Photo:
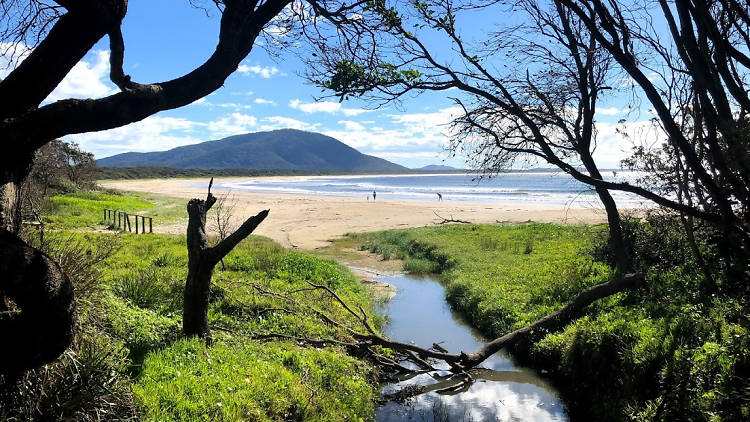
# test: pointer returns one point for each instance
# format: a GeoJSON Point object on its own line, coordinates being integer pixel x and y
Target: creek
{"type": "Point", "coordinates": [501, 391]}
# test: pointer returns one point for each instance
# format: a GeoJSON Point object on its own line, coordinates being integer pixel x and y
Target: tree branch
{"type": "Point", "coordinates": [225, 246]}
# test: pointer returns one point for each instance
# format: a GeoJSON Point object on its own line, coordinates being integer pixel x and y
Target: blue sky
{"type": "Point", "coordinates": [167, 38]}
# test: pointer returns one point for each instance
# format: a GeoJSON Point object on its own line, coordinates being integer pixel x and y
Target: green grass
{"type": "Point", "coordinates": [501, 277]}
{"type": "Point", "coordinates": [241, 380]}
{"type": "Point", "coordinates": [669, 351]}
{"type": "Point", "coordinates": [84, 210]}
{"type": "Point", "coordinates": [129, 331]}
{"type": "Point", "coordinates": [185, 380]}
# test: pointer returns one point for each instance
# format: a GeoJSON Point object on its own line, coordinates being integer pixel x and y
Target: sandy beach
{"type": "Point", "coordinates": [311, 221]}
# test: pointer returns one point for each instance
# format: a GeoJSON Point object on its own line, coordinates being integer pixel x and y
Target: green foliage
{"type": "Point", "coordinates": [675, 350]}
{"type": "Point", "coordinates": [501, 277]}
{"type": "Point", "coordinates": [143, 288]}
{"type": "Point", "coordinates": [351, 78]}
{"type": "Point", "coordinates": [87, 383]}
{"type": "Point", "coordinates": [140, 330]}
{"type": "Point", "coordinates": [298, 268]}
{"type": "Point", "coordinates": [130, 322]}
{"type": "Point", "coordinates": [190, 381]}
{"type": "Point", "coordinates": [84, 209]}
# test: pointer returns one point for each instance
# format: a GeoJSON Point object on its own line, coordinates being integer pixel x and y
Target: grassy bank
{"type": "Point", "coordinates": [83, 210]}
{"type": "Point", "coordinates": [129, 360]}
{"type": "Point", "coordinates": [669, 351]}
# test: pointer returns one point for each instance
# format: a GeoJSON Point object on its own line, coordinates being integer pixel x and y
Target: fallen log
{"type": "Point", "coordinates": [462, 362]}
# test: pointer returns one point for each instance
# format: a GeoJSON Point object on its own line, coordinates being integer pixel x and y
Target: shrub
{"type": "Point", "coordinates": [140, 330]}
{"type": "Point", "coordinates": [87, 383]}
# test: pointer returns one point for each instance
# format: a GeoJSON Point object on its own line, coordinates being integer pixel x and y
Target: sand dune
{"type": "Point", "coordinates": [310, 221]}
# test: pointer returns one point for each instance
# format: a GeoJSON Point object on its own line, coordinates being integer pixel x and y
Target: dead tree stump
{"type": "Point", "coordinates": [202, 259]}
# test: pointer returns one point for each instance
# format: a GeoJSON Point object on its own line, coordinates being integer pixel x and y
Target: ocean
{"type": "Point", "coordinates": [543, 188]}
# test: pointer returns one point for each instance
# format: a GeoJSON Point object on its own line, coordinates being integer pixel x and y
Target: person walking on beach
{"type": "Point", "coordinates": [440, 197]}
{"type": "Point", "coordinates": [373, 195]}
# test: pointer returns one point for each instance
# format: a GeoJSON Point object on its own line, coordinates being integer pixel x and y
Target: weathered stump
{"type": "Point", "coordinates": [202, 259]}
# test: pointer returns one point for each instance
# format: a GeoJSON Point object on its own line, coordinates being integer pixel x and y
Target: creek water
{"type": "Point", "coordinates": [502, 391]}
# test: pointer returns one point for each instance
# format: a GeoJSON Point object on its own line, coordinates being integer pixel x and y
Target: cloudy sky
{"type": "Point", "coordinates": [167, 38]}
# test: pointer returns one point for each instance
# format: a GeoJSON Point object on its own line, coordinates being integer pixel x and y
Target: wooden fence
{"type": "Point", "coordinates": [121, 221]}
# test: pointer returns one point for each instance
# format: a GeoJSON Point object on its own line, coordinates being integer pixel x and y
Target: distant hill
{"type": "Point", "coordinates": [436, 167]}
{"type": "Point", "coordinates": [285, 149]}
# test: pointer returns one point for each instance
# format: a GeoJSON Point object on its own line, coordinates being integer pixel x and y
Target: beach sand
{"type": "Point", "coordinates": [311, 221]}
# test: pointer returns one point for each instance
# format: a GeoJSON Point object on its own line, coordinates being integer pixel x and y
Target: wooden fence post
{"type": "Point", "coordinates": [136, 224]}
{"type": "Point", "coordinates": [150, 225]}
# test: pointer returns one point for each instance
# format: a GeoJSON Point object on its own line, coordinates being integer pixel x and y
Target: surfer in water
{"type": "Point", "coordinates": [440, 197]}
{"type": "Point", "coordinates": [373, 195]}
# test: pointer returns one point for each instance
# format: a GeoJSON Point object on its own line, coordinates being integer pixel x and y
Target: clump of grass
{"type": "Point", "coordinates": [139, 330]}
{"type": "Point", "coordinates": [420, 266]}
{"type": "Point", "coordinates": [87, 383]}
{"type": "Point", "coordinates": [143, 288]}
{"type": "Point", "coordinates": [162, 260]}
{"type": "Point", "coordinates": [488, 243]}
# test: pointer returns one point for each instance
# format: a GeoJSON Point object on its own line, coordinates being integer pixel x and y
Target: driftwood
{"type": "Point", "coordinates": [202, 259]}
{"type": "Point", "coordinates": [444, 220]}
{"type": "Point", "coordinates": [461, 363]}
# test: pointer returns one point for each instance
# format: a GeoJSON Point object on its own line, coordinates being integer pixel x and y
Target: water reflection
{"type": "Point", "coordinates": [500, 391]}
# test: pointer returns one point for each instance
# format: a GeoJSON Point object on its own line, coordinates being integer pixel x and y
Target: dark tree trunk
{"type": "Point", "coordinates": [623, 257]}
{"type": "Point", "coordinates": [201, 262]}
{"type": "Point", "coordinates": [620, 251]}
{"type": "Point", "coordinates": [37, 311]}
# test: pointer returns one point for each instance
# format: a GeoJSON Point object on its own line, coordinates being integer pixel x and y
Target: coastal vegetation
{"type": "Point", "coordinates": [129, 360]}
{"type": "Point", "coordinates": [91, 317]}
{"type": "Point", "coordinates": [673, 349]}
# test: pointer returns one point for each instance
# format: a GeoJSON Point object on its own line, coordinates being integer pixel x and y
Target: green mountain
{"type": "Point", "coordinates": [285, 149]}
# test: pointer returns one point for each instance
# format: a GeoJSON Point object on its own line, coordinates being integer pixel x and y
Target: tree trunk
{"type": "Point", "coordinates": [623, 257]}
{"type": "Point", "coordinates": [616, 241]}
{"type": "Point", "coordinates": [201, 262]}
{"type": "Point", "coordinates": [37, 313]}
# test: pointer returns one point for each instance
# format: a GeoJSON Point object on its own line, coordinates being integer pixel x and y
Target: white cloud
{"type": "Point", "coordinates": [616, 141]}
{"type": "Point", "coordinates": [264, 101]}
{"type": "Point", "coordinates": [406, 133]}
{"type": "Point", "coordinates": [262, 71]}
{"type": "Point", "coordinates": [205, 103]}
{"type": "Point", "coordinates": [609, 111]}
{"type": "Point", "coordinates": [11, 54]}
{"type": "Point", "coordinates": [87, 79]}
{"type": "Point", "coordinates": [281, 122]}
{"type": "Point", "coordinates": [233, 124]}
{"type": "Point", "coordinates": [350, 125]}
{"type": "Point", "coordinates": [154, 133]}
{"type": "Point", "coordinates": [331, 107]}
